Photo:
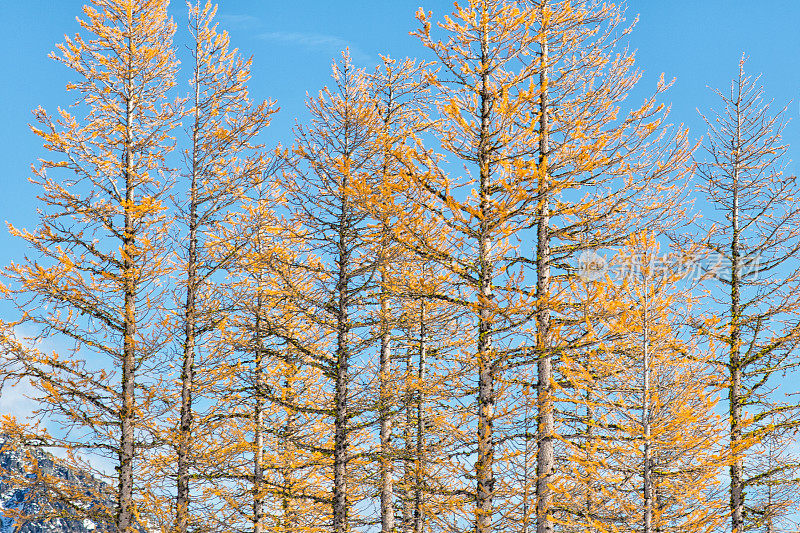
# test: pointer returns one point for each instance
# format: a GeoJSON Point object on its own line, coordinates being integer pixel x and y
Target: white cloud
{"type": "Point", "coordinates": [319, 42]}
{"type": "Point", "coordinates": [306, 40]}
{"type": "Point", "coordinates": [238, 21]}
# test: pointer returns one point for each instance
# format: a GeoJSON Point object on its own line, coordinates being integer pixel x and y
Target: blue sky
{"type": "Point", "coordinates": [293, 43]}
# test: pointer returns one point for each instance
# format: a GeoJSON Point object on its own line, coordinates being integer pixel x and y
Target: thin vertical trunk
{"type": "Point", "coordinates": [419, 478]}
{"type": "Point", "coordinates": [646, 371]}
{"type": "Point", "coordinates": [769, 512]}
{"type": "Point", "coordinates": [190, 326]}
{"type": "Point", "coordinates": [289, 514]}
{"type": "Point", "coordinates": [258, 416]}
{"type": "Point", "coordinates": [408, 462]}
{"type": "Point", "coordinates": [484, 467]}
{"type": "Point", "coordinates": [735, 367]}
{"type": "Point", "coordinates": [385, 408]}
{"type": "Point", "coordinates": [385, 403]}
{"type": "Point", "coordinates": [545, 460]}
{"type": "Point", "coordinates": [127, 414]}
{"type": "Point", "coordinates": [341, 441]}
{"type": "Point", "coordinates": [658, 503]}
{"type": "Point", "coordinates": [340, 422]}
{"type": "Point", "coordinates": [526, 477]}
{"type": "Point", "coordinates": [589, 500]}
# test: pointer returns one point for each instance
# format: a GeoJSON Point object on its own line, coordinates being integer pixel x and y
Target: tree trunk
{"type": "Point", "coordinates": [125, 513]}
{"type": "Point", "coordinates": [385, 408]}
{"type": "Point", "coordinates": [735, 368]}
{"type": "Point", "coordinates": [341, 441]}
{"type": "Point", "coordinates": [658, 503]}
{"type": "Point", "coordinates": [545, 460]}
{"type": "Point", "coordinates": [419, 477]}
{"type": "Point", "coordinates": [589, 502]}
{"type": "Point", "coordinates": [484, 467]}
{"type": "Point", "coordinates": [646, 371]}
{"type": "Point", "coordinates": [526, 476]}
{"type": "Point", "coordinates": [340, 429]}
{"type": "Point", "coordinates": [408, 469]}
{"type": "Point", "coordinates": [190, 326]}
{"type": "Point", "coordinates": [289, 515]}
{"type": "Point", "coordinates": [258, 416]}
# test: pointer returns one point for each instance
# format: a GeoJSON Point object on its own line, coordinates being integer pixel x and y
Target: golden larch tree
{"type": "Point", "coordinates": [755, 285]}
{"type": "Point", "coordinates": [398, 92]}
{"type": "Point", "coordinates": [652, 459]}
{"type": "Point", "coordinates": [94, 277]}
{"type": "Point", "coordinates": [330, 278]}
{"type": "Point", "coordinates": [529, 98]}
{"type": "Point", "coordinates": [222, 162]}
{"type": "Point", "coordinates": [272, 463]}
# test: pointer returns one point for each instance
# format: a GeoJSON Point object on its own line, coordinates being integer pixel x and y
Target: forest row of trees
{"type": "Point", "coordinates": [402, 322]}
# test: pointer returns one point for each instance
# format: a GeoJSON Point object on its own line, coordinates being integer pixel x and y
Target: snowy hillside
{"type": "Point", "coordinates": [33, 501]}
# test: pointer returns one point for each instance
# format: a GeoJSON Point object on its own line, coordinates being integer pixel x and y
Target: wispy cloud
{"type": "Point", "coordinates": [322, 43]}
{"type": "Point", "coordinates": [306, 40]}
{"type": "Point", "coordinates": [317, 42]}
{"type": "Point", "coordinates": [239, 21]}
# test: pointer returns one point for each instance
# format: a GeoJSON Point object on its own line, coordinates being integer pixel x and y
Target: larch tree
{"type": "Point", "coordinates": [410, 322]}
{"type": "Point", "coordinates": [481, 87]}
{"type": "Point", "coordinates": [529, 101]}
{"type": "Point", "coordinates": [601, 172]}
{"type": "Point", "coordinates": [433, 489]}
{"type": "Point", "coordinates": [256, 233]}
{"type": "Point", "coordinates": [330, 279]}
{"type": "Point", "coordinates": [93, 279]}
{"type": "Point", "coordinates": [274, 468]}
{"type": "Point", "coordinates": [422, 330]}
{"type": "Point", "coordinates": [755, 295]}
{"type": "Point", "coordinates": [221, 163]}
{"type": "Point", "coordinates": [399, 92]}
{"type": "Point", "coordinates": [657, 453]}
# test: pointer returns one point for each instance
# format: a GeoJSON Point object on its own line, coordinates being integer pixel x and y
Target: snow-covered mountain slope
{"type": "Point", "coordinates": [34, 497]}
